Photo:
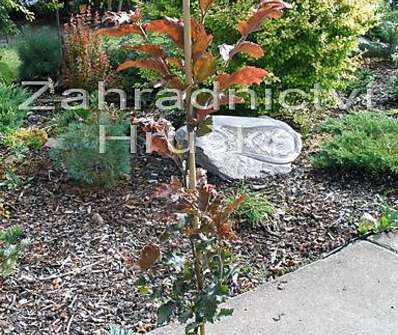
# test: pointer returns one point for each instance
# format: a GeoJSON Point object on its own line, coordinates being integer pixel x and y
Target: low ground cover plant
{"type": "Point", "coordinates": [365, 141]}
{"type": "Point", "coordinates": [31, 138]}
{"type": "Point", "coordinates": [387, 222]}
{"type": "Point", "coordinates": [39, 53]}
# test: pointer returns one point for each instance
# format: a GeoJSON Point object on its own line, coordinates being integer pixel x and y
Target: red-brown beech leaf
{"type": "Point", "coordinates": [120, 31]}
{"type": "Point", "coordinates": [172, 27]}
{"type": "Point", "coordinates": [230, 99]}
{"type": "Point", "coordinates": [252, 49]}
{"type": "Point", "coordinates": [149, 256]}
{"type": "Point", "coordinates": [151, 49]}
{"type": "Point", "coordinates": [204, 4]}
{"type": "Point", "coordinates": [245, 76]}
{"type": "Point", "coordinates": [267, 9]}
{"type": "Point", "coordinates": [150, 64]}
{"type": "Point", "coordinates": [204, 67]}
{"type": "Point", "coordinates": [226, 232]}
{"type": "Point", "coordinates": [200, 39]}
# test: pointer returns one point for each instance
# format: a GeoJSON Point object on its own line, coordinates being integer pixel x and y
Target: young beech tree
{"type": "Point", "coordinates": [200, 282]}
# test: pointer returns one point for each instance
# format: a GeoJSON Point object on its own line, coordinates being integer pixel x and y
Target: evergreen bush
{"type": "Point", "coordinates": [39, 52]}
{"type": "Point", "coordinates": [364, 141]}
{"type": "Point", "coordinates": [11, 117]}
{"type": "Point", "coordinates": [78, 152]}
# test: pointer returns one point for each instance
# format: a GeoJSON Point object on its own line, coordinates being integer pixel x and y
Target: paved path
{"type": "Point", "coordinates": [353, 292]}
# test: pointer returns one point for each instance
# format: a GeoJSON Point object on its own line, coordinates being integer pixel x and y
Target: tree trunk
{"type": "Point", "coordinates": [191, 139]}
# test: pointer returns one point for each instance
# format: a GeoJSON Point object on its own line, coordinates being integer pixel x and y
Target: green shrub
{"type": "Point", "coordinates": [32, 138]}
{"type": "Point", "coordinates": [78, 152]}
{"type": "Point", "coordinates": [64, 118]}
{"type": "Point", "coordinates": [255, 209]}
{"type": "Point", "coordinates": [361, 80]}
{"type": "Point", "coordinates": [9, 65]}
{"type": "Point", "coordinates": [11, 117]}
{"type": "Point", "coordinates": [10, 247]}
{"type": "Point", "coordinates": [312, 43]}
{"type": "Point", "coordinates": [39, 51]}
{"type": "Point", "coordinates": [384, 37]}
{"type": "Point", "coordinates": [364, 141]}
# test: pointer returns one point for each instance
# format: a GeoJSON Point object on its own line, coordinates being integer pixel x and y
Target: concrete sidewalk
{"type": "Point", "coordinates": [352, 292]}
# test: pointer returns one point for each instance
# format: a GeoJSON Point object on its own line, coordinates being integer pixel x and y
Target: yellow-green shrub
{"type": "Point", "coordinates": [32, 138]}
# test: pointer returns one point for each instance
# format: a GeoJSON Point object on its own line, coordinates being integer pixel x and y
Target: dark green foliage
{"type": "Point", "coordinates": [10, 247]}
{"type": "Point", "coordinates": [361, 80]}
{"type": "Point", "coordinates": [11, 117]}
{"type": "Point", "coordinates": [39, 51]}
{"type": "Point", "coordinates": [364, 141]}
{"type": "Point", "coordinates": [385, 36]}
{"type": "Point", "coordinates": [78, 152]}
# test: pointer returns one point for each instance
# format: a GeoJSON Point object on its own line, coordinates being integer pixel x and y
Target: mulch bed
{"type": "Point", "coordinates": [73, 279]}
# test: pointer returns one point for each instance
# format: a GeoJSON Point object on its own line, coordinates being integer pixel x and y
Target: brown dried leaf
{"type": "Point", "coordinates": [149, 255]}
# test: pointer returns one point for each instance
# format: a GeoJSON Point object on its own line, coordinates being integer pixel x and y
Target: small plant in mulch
{"type": "Point", "coordinates": [11, 246]}
{"type": "Point", "coordinates": [201, 280]}
{"type": "Point", "coordinates": [255, 209]}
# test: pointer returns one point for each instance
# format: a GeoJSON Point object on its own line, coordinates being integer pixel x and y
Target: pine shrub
{"type": "Point", "coordinates": [78, 152]}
